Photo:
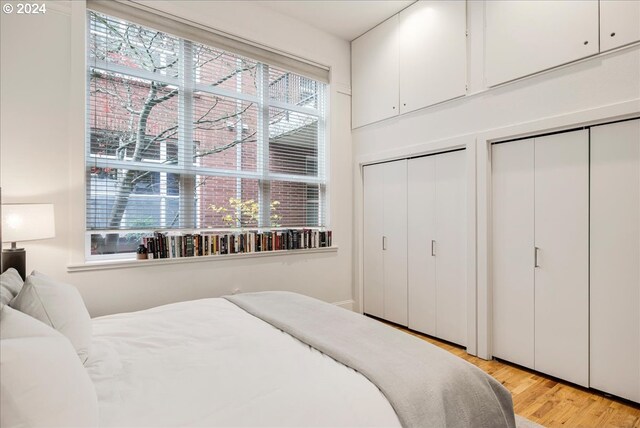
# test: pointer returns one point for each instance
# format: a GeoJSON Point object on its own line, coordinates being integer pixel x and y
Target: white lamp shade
{"type": "Point", "coordinates": [27, 222]}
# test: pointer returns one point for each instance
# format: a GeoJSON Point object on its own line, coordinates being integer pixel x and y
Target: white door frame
{"type": "Point", "coordinates": [484, 140]}
{"type": "Point", "coordinates": [466, 142]}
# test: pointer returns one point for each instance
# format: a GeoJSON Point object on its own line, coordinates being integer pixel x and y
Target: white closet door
{"type": "Point", "coordinates": [373, 277]}
{"type": "Point", "coordinates": [615, 259]}
{"type": "Point", "coordinates": [512, 166]}
{"type": "Point", "coordinates": [395, 232]}
{"type": "Point", "coordinates": [450, 247]}
{"type": "Point", "coordinates": [421, 232]}
{"type": "Point", "coordinates": [562, 237]}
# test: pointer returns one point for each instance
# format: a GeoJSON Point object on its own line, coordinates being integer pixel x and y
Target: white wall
{"type": "Point", "coordinates": [41, 159]}
{"type": "Point", "coordinates": [596, 89]}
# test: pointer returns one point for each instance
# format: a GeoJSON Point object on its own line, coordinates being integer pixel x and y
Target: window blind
{"type": "Point", "coordinates": [190, 30]}
{"type": "Point", "coordinates": [184, 135]}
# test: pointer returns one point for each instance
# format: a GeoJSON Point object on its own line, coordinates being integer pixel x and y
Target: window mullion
{"type": "Point", "coordinates": [239, 165]}
{"type": "Point", "coordinates": [322, 154]}
{"type": "Point", "coordinates": [186, 147]}
{"type": "Point", "coordinates": [263, 146]}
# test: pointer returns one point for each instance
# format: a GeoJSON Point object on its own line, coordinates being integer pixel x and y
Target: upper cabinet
{"type": "Point", "coordinates": [374, 74]}
{"type": "Point", "coordinates": [619, 23]}
{"type": "Point", "coordinates": [414, 59]}
{"type": "Point", "coordinates": [525, 37]}
{"type": "Point", "coordinates": [418, 57]}
{"type": "Point", "coordinates": [433, 53]}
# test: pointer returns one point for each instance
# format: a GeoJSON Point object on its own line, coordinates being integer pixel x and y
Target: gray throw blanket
{"type": "Point", "coordinates": [426, 386]}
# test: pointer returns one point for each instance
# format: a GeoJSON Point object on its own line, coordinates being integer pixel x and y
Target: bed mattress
{"type": "Point", "coordinates": [209, 363]}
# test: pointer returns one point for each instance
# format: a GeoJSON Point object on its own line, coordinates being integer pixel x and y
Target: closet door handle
{"type": "Point", "coordinates": [384, 242]}
{"type": "Point", "coordinates": [433, 248]}
{"type": "Point", "coordinates": [536, 251]}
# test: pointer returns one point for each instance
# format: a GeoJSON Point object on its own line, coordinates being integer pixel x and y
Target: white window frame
{"type": "Point", "coordinates": [187, 85]}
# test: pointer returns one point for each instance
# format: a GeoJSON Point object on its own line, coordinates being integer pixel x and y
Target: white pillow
{"type": "Point", "coordinates": [59, 306]}
{"type": "Point", "coordinates": [42, 383]}
{"type": "Point", "coordinates": [10, 285]}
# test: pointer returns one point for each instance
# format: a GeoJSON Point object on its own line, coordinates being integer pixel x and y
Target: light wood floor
{"type": "Point", "coordinates": [548, 401]}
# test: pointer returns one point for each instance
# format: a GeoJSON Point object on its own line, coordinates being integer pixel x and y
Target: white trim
{"type": "Point", "coordinates": [358, 234]}
{"type": "Point", "coordinates": [309, 179]}
{"type": "Point", "coordinates": [472, 245]}
{"type": "Point", "coordinates": [132, 263]}
{"type": "Point", "coordinates": [323, 166]}
{"type": "Point", "coordinates": [216, 90]}
{"type": "Point", "coordinates": [421, 149]}
{"type": "Point", "coordinates": [136, 73]}
{"type": "Point", "coordinates": [589, 117]}
{"type": "Point", "coordinates": [262, 155]}
{"type": "Point", "coordinates": [308, 111]}
{"type": "Point", "coordinates": [77, 148]}
{"type": "Point", "coordinates": [170, 168]}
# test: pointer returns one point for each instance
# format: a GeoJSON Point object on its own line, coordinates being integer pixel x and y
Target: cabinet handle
{"type": "Point", "coordinates": [384, 242]}
{"type": "Point", "coordinates": [535, 257]}
{"type": "Point", "coordinates": [433, 248]}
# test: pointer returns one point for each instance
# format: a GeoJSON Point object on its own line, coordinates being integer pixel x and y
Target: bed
{"type": "Point", "coordinates": [275, 359]}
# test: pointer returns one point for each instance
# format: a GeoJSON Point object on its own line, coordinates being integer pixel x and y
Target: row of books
{"type": "Point", "coordinates": [164, 245]}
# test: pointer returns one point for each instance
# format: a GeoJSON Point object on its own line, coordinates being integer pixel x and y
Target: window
{"type": "Point", "coordinates": [182, 135]}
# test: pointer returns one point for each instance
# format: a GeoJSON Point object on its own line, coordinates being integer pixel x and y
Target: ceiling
{"type": "Point", "coordinates": [346, 19]}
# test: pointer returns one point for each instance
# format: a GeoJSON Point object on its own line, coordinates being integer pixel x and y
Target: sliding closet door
{"type": "Point", "coordinates": [450, 247]}
{"type": "Point", "coordinates": [395, 233]}
{"type": "Point", "coordinates": [615, 259]}
{"type": "Point", "coordinates": [562, 256]}
{"type": "Point", "coordinates": [512, 166]}
{"type": "Point", "coordinates": [421, 256]}
{"type": "Point", "coordinates": [373, 277]}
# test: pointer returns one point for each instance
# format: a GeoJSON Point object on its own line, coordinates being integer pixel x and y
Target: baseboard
{"type": "Point", "coordinates": [347, 304]}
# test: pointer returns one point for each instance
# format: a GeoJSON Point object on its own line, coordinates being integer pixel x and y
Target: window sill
{"type": "Point", "coordinates": [125, 264]}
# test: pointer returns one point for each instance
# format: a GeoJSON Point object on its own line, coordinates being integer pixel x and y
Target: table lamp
{"type": "Point", "coordinates": [24, 222]}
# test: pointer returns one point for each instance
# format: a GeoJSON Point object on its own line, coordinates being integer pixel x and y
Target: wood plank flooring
{"type": "Point", "coordinates": [549, 401]}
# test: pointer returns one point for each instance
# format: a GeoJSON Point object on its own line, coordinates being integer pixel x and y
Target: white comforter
{"type": "Point", "coordinates": [209, 363]}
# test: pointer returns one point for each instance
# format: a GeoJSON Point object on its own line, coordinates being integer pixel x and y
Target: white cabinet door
{"type": "Point", "coordinates": [450, 247]}
{"type": "Point", "coordinates": [525, 37]}
{"type": "Point", "coordinates": [562, 272]}
{"type": "Point", "coordinates": [374, 74]}
{"type": "Point", "coordinates": [619, 23]}
{"type": "Point", "coordinates": [615, 259]}
{"type": "Point", "coordinates": [512, 197]}
{"type": "Point", "coordinates": [433, 53]}
{"type": "Point", "coordinates": [421, 233]}
{"type": "Point", "coordinates": [395, 233]}
{"type": "Point", "coordinates": [373, 275]}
